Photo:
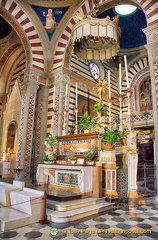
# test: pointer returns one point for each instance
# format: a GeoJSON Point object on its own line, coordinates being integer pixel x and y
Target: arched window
{"type": "Point", "coordinates": [145, 95]}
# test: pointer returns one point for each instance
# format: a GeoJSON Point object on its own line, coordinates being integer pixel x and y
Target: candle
{"type": "Point", "coordinates": [54, 98]}
{"type": "Point", "coordinates": [76, 96]}
{"type": "Point", "coordinates": [120, 76]}
{"type": "Point", "coordinates": [109, 84]}
{"type": "Point", "coordinates": [126, 70]}
{"type": "Point", "coordinates": [4, 156]}
{"type": "Point", "coordinates": [66, 96]}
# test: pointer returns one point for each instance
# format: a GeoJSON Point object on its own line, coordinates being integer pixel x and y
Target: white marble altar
{"type": "Point", "coordinates": [82, 177]}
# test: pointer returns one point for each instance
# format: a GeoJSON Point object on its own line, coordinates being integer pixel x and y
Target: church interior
{"type": "Point", "coordinates": [75, 77]}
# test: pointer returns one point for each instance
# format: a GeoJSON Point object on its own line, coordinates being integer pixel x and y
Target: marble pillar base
{"type": "Point", "coordinates": [110, 194]}
{"type": "Point", "coordinates": [133, 203]}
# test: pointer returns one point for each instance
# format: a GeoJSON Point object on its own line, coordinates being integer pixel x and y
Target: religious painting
{"type": "Point", "coordinates": [75, 147]}
{"type": "Point", "coordinates": [85, 105]}
{"type": "Point", "coordinates": [50, 17]}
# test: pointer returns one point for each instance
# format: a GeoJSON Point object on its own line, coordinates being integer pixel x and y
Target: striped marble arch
{"type": "Point", "coordinates": [36, 47]}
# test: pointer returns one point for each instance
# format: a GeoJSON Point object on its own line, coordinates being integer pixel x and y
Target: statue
{"type": "Point", "coordinates": [101, 87]}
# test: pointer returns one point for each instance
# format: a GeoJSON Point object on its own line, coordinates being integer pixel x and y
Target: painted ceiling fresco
{"type": "Point", "coordinates": [50, 17]}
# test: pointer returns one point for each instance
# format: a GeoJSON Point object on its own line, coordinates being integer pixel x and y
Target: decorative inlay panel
{"type": "Point", "coordinates": [67, 179]}
{"type": "Point", "coordinates": [29, 135]}
{"type": "Point", "coordinates": [122, 182]}
{"type": "Point", "coordinates": [38, 134]}
{"type": "Point", "coordinates": [21, 130]}
{"type": "Point", "coordinates": [153, 37]}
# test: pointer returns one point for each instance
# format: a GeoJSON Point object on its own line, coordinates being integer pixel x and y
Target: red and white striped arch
{"type": "Point", "coordinates": [150, 7]}
{"type": "Point", "coordinates": [35, 43]}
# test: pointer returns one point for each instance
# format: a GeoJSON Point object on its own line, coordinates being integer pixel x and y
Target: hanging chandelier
{"type": "Point", "coordinates": [96, 38]}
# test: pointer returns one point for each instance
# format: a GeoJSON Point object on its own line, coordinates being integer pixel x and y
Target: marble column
{"type": "Point", "coordinates": [152, 48]}
{"type": "Point", "coordinates": [30, 87]}
{"type": "Point", "coordinates": [40, 128]}
{"type": "Point", "coordinates": [132, 157]}
{"type": "Point", "coordinates": [108, 160]}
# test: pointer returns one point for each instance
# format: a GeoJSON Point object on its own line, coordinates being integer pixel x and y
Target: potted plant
{"type": "Point", "coordinates": [90, 153]}
{"type": "Point", "coordinates": [53, 156]}
{"type": "Point", "coordinates": [50, 142]}
{"type": "Point", "coordinates": [71, 158]}
{"type": "Point", "coordinates": [110, 137]}
{"type": "Point", "coordinates": [99, 108]}
{"type": "Point", "coordinates": [86, 122]}
{"type": "Point", "coordinates": [50, 158]}
{"type": "Point", "coordinates": [45, 158]}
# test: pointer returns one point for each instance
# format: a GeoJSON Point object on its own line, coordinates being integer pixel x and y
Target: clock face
{"type": "Point", "coordinates": [94, 71]}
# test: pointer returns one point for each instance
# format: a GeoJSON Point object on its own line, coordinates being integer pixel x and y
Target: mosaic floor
{"type": "Point", "coordinates": [118, 224]}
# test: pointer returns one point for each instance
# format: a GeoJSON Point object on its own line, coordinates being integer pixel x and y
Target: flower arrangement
{"type": "Point", "coordinates": [90, 153]}
{"type": "Point", "coordinates": [50, 158]}
{"type": "Point", "coordinates": [53, 156]}
{"type": "Point", "coordinates": [71, 157]}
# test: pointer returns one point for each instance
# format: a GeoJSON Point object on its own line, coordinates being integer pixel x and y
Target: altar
{"type": "Point", "coordinates": [66, 177]}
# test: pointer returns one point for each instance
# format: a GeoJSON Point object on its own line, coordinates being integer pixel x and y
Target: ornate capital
{"type": "Point", "coordinates": [31, 76]}
{"type": "Point", "coordinates": [29, 86]}
{"type": "Point", "coordinates": [61, 77]}
{"type": "Point", "coordinates": [153, 37]}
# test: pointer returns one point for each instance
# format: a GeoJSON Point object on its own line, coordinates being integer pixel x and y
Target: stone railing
{"type": "Point", "coordinates": [137, 120]}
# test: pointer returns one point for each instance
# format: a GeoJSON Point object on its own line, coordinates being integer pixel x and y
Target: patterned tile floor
{"type": "Point", "coordinates": [118, 224]}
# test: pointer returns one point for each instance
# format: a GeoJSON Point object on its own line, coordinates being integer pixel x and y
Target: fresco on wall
{"type": "Point", "coordinates": [50, 17]}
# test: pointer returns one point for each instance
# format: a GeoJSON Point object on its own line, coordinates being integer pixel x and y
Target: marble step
{"type": "Point", "coordinates": [75, 214]}
{"type": "Point", "coordinates": [11, 218]}
{"type": "Point", "coordinates": [75, 204]}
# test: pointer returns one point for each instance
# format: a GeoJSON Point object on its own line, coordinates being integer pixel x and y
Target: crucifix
{"type": "Point", "coordinates": [101, 87]}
